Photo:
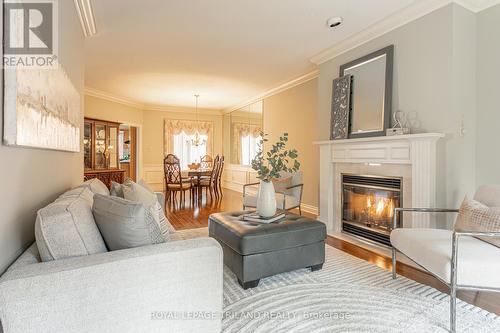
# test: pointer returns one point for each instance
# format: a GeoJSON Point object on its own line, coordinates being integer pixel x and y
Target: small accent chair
{"type": "Point", "coordinates": [206, 162]}
{"type": "Point", "coordinates": [174, 182]}
{"type": "Point", "coordinates": [456, 258]}
{"type": "Point", "coordinates": [287, 199]}
{"type": "Point", "coordinates": [209, 183]}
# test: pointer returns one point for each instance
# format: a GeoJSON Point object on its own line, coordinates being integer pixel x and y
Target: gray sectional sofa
{"type": "Point", "coordinates": [170, 287]}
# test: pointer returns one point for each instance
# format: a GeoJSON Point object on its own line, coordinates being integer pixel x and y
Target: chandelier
{"type": "Point", "coordinates": [196, 139]}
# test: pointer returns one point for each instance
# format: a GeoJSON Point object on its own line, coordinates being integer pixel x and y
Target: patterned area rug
{"type": "Point", "coordinates": [347, 295]}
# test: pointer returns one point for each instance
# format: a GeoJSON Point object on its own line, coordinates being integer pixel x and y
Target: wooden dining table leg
{"type": "Point", "coordinates": [200, 189]}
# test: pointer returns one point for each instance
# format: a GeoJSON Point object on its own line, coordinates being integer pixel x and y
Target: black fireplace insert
{"type": "Point", "coordinates": [368, 204]}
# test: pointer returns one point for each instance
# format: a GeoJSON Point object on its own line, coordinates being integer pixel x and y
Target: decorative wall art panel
{"type": "Point", "coordinates": [42, 109]}
{"type": "Point", "coordinates": [341, 104]}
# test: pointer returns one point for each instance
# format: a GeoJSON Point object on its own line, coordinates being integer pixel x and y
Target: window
{"type": "Point", "coordinates": [249, 148]}
{"type": "Point", "coordinates": [186, 151]}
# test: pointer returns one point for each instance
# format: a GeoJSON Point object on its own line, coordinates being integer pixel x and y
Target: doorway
{"type": "Point", "coordinates": [127, 148]}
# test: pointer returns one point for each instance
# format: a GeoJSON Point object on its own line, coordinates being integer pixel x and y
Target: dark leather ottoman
{"type": "Point", "coordinates": [254, 251]}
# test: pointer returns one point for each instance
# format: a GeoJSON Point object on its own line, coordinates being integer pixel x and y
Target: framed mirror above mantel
{"type": "Point", "coordinates": [371, 80]}
{"type": "Point", "coordinates": [241, 134]}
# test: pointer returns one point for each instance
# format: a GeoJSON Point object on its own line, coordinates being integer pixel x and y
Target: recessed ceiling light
{"type": "Point", "coordinates": [334, 21]}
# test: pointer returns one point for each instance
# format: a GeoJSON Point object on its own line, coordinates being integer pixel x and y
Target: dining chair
{"type": "Point", "coordinates": [174, 182]}
{"type": "Point", "coordinates": [220, 169]}
{"type": "Point", "coordinates": [210, 183]}
{"type": "Point", "coordinates": [206, 162]}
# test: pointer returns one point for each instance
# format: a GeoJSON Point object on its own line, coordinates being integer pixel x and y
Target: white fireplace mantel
{"type": "Point", "coordinates": [416, 150]}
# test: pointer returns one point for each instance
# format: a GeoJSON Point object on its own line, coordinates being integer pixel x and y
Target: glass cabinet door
{"type": "Point", "coordinates": [112, 149]}
{"type": "Point", "coordinates": [87, 145]}
{"type": "Point", "coordinates": [100, 146]}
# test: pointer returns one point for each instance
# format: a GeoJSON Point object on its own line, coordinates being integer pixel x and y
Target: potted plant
{"type": "Point", "coordinates": [268, 166]}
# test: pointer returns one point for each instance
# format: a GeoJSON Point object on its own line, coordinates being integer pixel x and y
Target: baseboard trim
{"type": "Point", "coordinates": [309, 209]}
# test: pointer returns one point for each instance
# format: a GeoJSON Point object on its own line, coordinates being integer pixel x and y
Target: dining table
{"type": "Point", "coordinates": [197, 174]}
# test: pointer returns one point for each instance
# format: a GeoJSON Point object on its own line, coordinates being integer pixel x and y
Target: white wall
{"type": "Point", "coordinates": [31, 178]}
{"type": "Point", "coordinates": [488, 97]}
{"type": "Point", "coordinates": [434, 82]}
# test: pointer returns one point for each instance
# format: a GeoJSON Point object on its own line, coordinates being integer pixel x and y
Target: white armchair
{"type": "Point", "coordinates": [458, 259]}
{"type": "Point", "coordinates": [288, 199]}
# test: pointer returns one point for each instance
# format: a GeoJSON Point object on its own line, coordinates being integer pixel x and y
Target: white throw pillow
{"type": "Point", "coordinates": [475, 216]}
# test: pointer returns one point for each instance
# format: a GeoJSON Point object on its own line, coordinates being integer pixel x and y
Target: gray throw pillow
{"type": "Point", "coordinates": [124, 223]}
{"type": "Point", "coordinates": [135, 192]}
{"type": "Point", "coordinates": [141, 192]}
{"type": "Point", "coordinates": [96, 186]}
{"type": "Point", "coordinates": [145, 185]}
{"type": "Point", "coordinates": [66, 228]}
{"type": "Point", "coordinates": [116, 189]}
{"type": "Point", "coordinates": [82, 192]}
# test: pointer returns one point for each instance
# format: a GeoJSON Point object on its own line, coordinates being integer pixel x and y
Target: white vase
{"type": "Point", "coordinates": [266, 199]}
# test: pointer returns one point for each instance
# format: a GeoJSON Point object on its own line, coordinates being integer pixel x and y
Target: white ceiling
{"type": "Point", "coordinates": [162, 52]}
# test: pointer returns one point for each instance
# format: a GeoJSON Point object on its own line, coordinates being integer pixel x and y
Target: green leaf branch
{"type": "Point", "coordinates": [269, 165]}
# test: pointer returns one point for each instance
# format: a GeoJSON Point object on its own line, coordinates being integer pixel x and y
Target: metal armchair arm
{"type": "Point", "coordinates": [295, 186]}
{"type": "Point", "coordinates": [419, 210]}
{"type": "Point", "coordinates": [247, 185]}
{"type": "Point", "coordinates": [301, 186]}
{"type": "Point", "coordinates": [477, 233]}
{"type": "Point", "coordinates": [454, 263]}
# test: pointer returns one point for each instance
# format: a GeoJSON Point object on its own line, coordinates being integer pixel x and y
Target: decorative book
{"type": "Point", "coordinates": [255, 217]}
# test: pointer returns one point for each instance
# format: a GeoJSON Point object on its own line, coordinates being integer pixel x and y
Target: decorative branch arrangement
{"type": "Point", "coordinates": [277, 159]}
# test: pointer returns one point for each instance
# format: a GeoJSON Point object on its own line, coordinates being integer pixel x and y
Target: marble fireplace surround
{"type": "Point", "coordinates": [412, 157]}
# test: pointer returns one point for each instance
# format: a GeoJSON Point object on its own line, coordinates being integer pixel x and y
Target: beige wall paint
{"type": "Point", "coordinates": [434, 83]}
{"type": "Point", "coordinates": [32, 178]}
{"type": "Point", "coordinates": [106, 110]}
{"type": "Point", "coordinates": [295, 111]}
{"type": "Point", "coordinates": [488, 97]}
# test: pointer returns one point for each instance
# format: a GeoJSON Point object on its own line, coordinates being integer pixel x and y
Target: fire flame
{"type": "Point", "coordinates": [380, 207]}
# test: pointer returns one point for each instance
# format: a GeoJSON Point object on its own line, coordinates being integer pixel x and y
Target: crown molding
{"type": "Point", "coordinates": [392, 22]}
{"type": "Point", "coordinates": [85, 12]}
{"type": "Point", "coordinates": [276, 90]}
{"type": "Point", "coordinates": [112, 98]}
{"type": "Point", "coordinates": [477, 6]}
{"type": "Point", "coordinates": [182, 109]}
{"type": "Point", "coordinates": [147, 107]}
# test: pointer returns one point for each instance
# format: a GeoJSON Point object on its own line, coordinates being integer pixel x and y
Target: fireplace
{"type": "Point", "coordinates": [368, 204]}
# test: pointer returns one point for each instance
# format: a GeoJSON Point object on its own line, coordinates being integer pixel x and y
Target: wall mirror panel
{"type": "Point", "coordinates": [242, 130]}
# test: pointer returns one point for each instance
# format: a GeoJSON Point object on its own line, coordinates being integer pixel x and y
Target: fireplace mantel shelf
{"type": "Point", "coordinates": [418, 151]}
{"type": "Point", "coordinates": [408, 137]}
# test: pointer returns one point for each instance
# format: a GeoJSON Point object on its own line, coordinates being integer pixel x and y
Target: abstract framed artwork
{"type": "Point", "coordinates": [341, 105]}
{"type": "Point", "coordinates": [42, 109]}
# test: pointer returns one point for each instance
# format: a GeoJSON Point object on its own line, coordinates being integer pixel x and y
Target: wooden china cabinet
{"type": "Point", "coordinates": [100, 151]}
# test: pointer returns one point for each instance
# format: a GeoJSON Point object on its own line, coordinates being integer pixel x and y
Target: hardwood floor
{"type": "Point", "coordinates": [188, 216]}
